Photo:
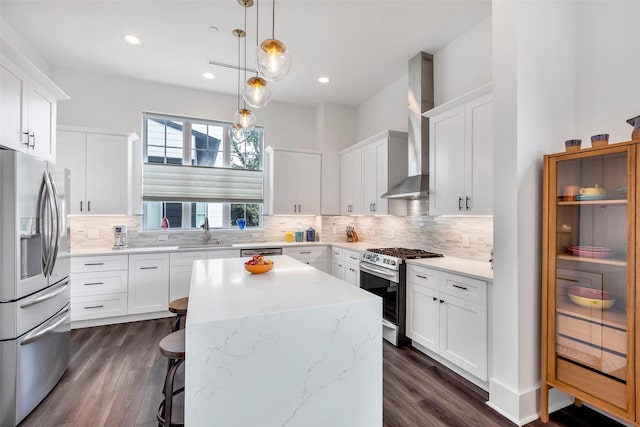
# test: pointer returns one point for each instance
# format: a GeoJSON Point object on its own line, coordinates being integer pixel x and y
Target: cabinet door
{"type": "Point", "coordinates": [107, 174]}
{"type": "Point", "coordinates": [148, 283]}
{"type": "Point", "coordinates": [351, 196]}
{"type": "Point", "coordinates": [13, 86]}
{"type": "Point", "coordinates": [369, 179]}
{"type": "Point", "coordinates": [72, 154]}
{"type": "Point", "coordinates": [446, 161]}
{"type": "Point", "coordinates": [181, 267]}
{"type": "Point", "coordinates": [479, 156]}
{"type": "Point", "coordinates": [309, 186]}
{"type": "Point", "coordinates": [42, 122]}
{"type": "Point", "coordinates": [463, 334]}
{"type": "Point", "coordinates": [380, 205]}
{"type": "Point", "coordinates": [423, 316]}
{"type": "Point", "coordinates": [352, 274]}
{"type": "Point", "coordinates": [285, 182]}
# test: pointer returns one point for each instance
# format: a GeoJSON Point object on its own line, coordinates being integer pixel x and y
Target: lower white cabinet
{"type": "Point", "coordinates": [99, 286]}
{"type": "Point", "coordinates": [447, 314]}
{"type": "Point", "coordinates": [315, 256]}
{"type": "Point", "coordinates": [351, 262]}
{"type": "Point", "coordinates": [181, 266]}
{"type": "Point", "coordinates": [337, 268]}
{"type": "Point", "coordinates": [148, 283]}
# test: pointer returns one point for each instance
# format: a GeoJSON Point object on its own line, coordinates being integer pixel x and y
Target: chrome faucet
{"type": "Point", "coordinates": [207, 233]}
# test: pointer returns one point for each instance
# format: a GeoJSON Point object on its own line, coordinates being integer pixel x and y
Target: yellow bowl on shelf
{"type": "Point", "coordinates": [592, 302]}
{"type": "Point", "coordinates": [258, 269]}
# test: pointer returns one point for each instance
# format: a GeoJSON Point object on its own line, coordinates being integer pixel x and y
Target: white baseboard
{"type": "Point", "coordinates": [120, 319]}
{"type": "Point", "coordinates": [518, 407]}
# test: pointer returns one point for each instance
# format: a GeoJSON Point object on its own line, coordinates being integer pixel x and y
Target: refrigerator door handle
{"type": "Point", "coordinates": [46, 327]}
{"type": "Point", "coordinates": [42, 224]}
{"type": "Point", "coordinates": [37, 300]}
{"type": "Point", "coordinates": [51, 223]}
{"type": "Point", "coordinates": [58, 222]}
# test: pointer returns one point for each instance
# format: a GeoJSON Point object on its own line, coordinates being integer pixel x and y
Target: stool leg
{"type": "Point", "coordinates": [168, 390]}
{"type": "Point", "coordinates": [176, 323]}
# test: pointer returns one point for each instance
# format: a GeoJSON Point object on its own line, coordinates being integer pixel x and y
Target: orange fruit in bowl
{"type": "Point", "coordinates": [267, 265]}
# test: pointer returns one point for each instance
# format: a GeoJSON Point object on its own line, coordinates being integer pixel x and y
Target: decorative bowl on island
{"type": "Point", "coordinates": [592, 298]}
{"type": "Point", "coordinates": [258, 265]}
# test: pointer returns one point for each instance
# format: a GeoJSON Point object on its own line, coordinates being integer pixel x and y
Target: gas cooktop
{"type": "Point", "coordinates": [404, 253]}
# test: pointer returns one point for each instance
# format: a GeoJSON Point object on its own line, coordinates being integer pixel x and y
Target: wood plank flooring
{"type": "Point", "coordinates": [116, 374]}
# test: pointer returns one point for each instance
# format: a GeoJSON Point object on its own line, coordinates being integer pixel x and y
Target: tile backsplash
{"type": "Point", "coordinates": [417, 230]}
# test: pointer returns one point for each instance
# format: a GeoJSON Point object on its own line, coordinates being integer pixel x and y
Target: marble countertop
{"type": "Point", "coordinates": [221, 289]}
{"type": "Point", "coordinates": [467, 267]}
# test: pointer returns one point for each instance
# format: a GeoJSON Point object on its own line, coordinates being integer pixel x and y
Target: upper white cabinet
{"type": "Point", "coordinates": [369, 169]}
{"type": "Point", "coordinates": [292, 182]}
{"type": "Point", "coordinates": [461, 155]}
{"type": "Point", "coordinates": [100, 169]}
{"type": "Point", "coordinates": [28, 105]}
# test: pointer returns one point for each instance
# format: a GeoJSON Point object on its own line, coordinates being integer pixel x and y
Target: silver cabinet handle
{"type": "Point", "coordinates": [460, 203]}
{"type": "Point", "coordinates": [93, 283]}
{"type": "Point", "coordinates": [375, 207]}
{"type": "Point", "coordinates": [435, 299]}
{"type": "Point", "coordinates": [441, 301]}
{"type": "Point", "coordinates": [94, 263]}
{"type": "Point", "coordinates": [93, 306]}
{"type": "Point", "coordinates": [88, 205]}
{"type": "Point", "coordinates": [466, 203]}
{"type": "Point", "coordinates": [461, 287]}
{"type": "Point", "coordinates": [304, 252]}
{"type": "Point", "coordinates": [80, 205]}
{"type": "Point", "coordinates": [39, 333]}
{"type": "Point", "coordinates": [299, 208]}
{"type": "Point", "coordinates": [148, 268]}
{"type": "Point", "coordinates": [422, 277]}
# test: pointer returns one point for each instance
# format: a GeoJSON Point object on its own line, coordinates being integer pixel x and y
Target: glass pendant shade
{"type": "Point", "coordinates": [273, 60]}
{"type": "Point", "coordinates": [256, 92]}
{"type": "Point", "coordinates": [244, 119]}
{"type": "Point", "coordinates": [238, 134]}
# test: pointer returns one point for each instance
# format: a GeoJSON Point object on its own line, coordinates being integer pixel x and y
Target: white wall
{"type": "Point", "coordinates": [607, 89]}
{"type": "Point", "coordinates": [464, 64]}
{"type": "Point", "coordinates": [112, 102]}
{"type": "Point", "coordinates": [14, 41]}
{"type": "Point", "coordinates": [386, 110]}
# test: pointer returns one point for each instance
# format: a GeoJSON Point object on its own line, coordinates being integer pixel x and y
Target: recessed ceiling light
{"type": "Point", "coordinates": [208, 76]}
{"type": "Point", "coordinates": [130, 38]}
{"type": "Point", "coordinates": [324, 79]}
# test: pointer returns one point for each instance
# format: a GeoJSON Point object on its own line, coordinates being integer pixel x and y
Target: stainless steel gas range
{"type": "Point", "coordinates": [384, 273]}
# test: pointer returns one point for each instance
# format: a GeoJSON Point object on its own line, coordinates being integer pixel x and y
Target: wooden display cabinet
{"type": "Point", "coordinates": [589, 278]}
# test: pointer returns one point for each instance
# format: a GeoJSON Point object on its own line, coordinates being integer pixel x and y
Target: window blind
{"type": "Point", "coordinates": [182, 183]}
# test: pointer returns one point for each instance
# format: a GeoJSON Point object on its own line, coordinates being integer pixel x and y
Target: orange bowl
{"type": "Point", "coordinates": [258, 269]}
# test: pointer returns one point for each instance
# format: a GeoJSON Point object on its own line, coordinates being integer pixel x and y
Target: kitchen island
{"type": "Point", "coordinates": [291, 347]}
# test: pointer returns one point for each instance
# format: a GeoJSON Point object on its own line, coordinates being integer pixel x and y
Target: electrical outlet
{"type": "Point", "coordinates": [255, 235]}
{"type": "Point", "coordinates": [163, 237]}
{"type": "Point", "coordinates": [93, 234]}
{"type": "Point", "coordinates": [466, 240]}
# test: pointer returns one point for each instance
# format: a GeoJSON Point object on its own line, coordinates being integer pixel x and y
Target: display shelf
{"type": "Point", "coordinates": [613, 317]}
{"type": "Point", "coordinates": [593, 202]}
{"type": "Point", "coordinates": [607, 261]}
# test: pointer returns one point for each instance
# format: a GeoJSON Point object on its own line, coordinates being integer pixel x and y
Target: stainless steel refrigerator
{"type": "Point", "coordinates": [34, 282]}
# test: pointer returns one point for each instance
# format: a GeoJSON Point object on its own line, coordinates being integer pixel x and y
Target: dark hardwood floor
{"type": "Point", "coordinates": [116, 374]}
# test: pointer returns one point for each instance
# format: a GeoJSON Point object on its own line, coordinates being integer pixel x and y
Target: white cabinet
{"type": "Point", "coordinates": [369, 169]}
{"type": "Point", "coordinates": [148, 283]}
{"type": "Point", "coordinates": [460, 155]}
{"type": "Point", "coordinates": [315, 256]}
{"type": "Point", "coordinates": [28, 106]}
{"type": "Point", "coordinates": [180, 268]}
{"type": "Point", "coordinates": [351, 183]}
{"type": "Point", "coordinates": [101, 176]}
{"type": "Point", "coordinates": [337, 268]}
{"type": "Point", "coordinates": [292, 182]}
{"type": "Point", "coordinates": [98, 286]}
{"type": "Point", "coordinates": [351, 263]}
{"type": "Point", "coordinates": [447, 314]}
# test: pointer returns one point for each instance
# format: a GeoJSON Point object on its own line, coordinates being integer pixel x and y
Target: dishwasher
{"type": "Point", "coordinates": [261, 251]}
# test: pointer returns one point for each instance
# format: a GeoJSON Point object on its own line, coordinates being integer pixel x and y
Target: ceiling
{"type": "Point", "coordinates": [362, 46]}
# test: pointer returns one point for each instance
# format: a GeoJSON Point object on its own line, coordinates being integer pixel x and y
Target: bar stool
{"type": "Point", "coordinates": [179, 307]}
{"type": "Point", "coordinates": [172, 347]}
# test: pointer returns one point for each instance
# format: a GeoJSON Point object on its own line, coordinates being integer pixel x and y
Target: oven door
{"type": "Point", "coordinates": [384, 288]}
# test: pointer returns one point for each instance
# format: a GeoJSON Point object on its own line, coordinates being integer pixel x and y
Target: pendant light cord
{"type": "Point", "coordinates": [238, 72]}
{"type": "Point", "coordinates": [273, 20]}
{"type": "Point", "coordinates": [244, 103]}
{"type": "Point", "coordinates": [257, 32]}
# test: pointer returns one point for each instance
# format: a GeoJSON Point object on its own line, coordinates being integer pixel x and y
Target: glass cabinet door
{"type": "Point", "coordinates": [591, 276]}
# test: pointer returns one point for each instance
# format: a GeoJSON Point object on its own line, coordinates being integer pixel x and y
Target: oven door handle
{"type": "Point", "coordinates": [379, 272]}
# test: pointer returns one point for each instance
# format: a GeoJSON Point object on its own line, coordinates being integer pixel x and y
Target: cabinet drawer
{"type": "Point", "coordinates": [98, 283]}
{"type": "Point", "coordinates": [336, 255]}
{"type": "Point", "coordinates": [306, 253]}
{"type": "Point", "coordinates": [86, 264]}
{"type": "Point", "coordinates": [351, 256]}
{"type": "Point", "coordinates": [223, 253]}
{"type": "Point", "coordinates": [423, 276]}
{"type": "Point", "coordinates": [96, 307]}
{"type": "Point", "coordinates": [464, 287]}
{"type": "Point", "coordinates": [184, 259]}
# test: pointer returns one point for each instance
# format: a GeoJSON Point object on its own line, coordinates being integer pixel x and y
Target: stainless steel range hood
{"type": "Point", "coordinates": [416, 186]}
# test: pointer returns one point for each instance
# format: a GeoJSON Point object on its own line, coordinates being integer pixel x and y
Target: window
{"type": "Point", "coordinates": [193, 170]}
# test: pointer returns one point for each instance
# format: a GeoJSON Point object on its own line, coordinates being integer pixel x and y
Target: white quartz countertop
{"type": "Point", "coordinates": [221, 289]}
{"type": "Point", "coordinates": [467, 267]}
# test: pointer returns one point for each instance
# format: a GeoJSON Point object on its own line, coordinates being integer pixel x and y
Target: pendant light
{"type": "Point", "coordinates": [256, 92]}
{"type": "Point", "coordinates": [272, 59]}
{"type": "Point", "coordinates": [243, 120]}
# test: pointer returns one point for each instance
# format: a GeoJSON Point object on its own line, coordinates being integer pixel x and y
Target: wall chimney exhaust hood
{"type": "Point", "coordinates": [416, 186]}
